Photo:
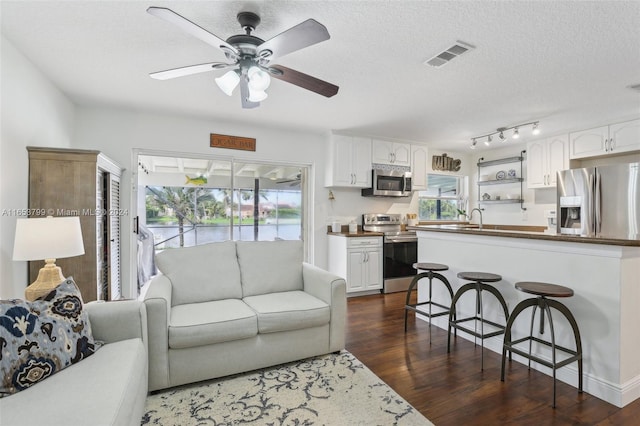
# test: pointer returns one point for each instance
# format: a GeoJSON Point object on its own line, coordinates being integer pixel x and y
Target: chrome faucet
{"type": "Point", "coordinates": [471, 214]}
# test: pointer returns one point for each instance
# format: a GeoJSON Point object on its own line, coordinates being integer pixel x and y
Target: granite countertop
{"type": "Point", "coordinates": [360, 233]}
{"type": "Point", "coordinates": [527, 232]}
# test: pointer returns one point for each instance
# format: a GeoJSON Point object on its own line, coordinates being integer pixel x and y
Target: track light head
{"type": "Point", "coordinates": [516, 134]}
{"type": "Point", "coordinates": [535, 130]}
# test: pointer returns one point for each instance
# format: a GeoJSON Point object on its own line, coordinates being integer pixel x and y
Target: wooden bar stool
{"type": "Point", "coordinates": [544, 290]}
{"type": "Point", "coordinates": [431, 273]}
{"type": "Point", "coordinates": [479, 284]}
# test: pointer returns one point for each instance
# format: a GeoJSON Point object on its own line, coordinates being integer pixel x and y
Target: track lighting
{"type": "Point", "coordinates": [535, 130]}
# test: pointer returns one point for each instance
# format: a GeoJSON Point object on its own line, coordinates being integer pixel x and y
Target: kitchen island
{"type": "Point", "coordinates": [603, 273]}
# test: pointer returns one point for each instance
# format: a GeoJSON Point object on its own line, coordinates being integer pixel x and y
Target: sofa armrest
{"type": "Point", "coordinates": [116, 321]}
{"type": "Point", "coordinates": [158, 303]}
{"type": "Point", "coordinates": [331, 289]}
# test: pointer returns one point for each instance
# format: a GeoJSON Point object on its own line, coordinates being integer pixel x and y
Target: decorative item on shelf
{"type": "Point", "coordinates": [501, 175]}
{"type": "Point", "coordinates": [535, 130]}
{"type": "Point", "coordinates": [511, 173]}
{"type": "Point", "coordinates": [445, 163]}
{"type": "Point", "coordinates": [47, 238]}
{"type": "Point", "coordinates": [486, 197]}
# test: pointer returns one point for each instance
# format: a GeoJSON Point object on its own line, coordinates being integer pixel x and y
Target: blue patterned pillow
{"type": "Point", "coordinates": [40, 338]}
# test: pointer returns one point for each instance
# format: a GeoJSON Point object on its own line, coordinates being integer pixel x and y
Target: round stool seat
{"type": "Point", "coordinates": [480, 276]}
{"type": "Point", "coordinates": [544, 289]}
{"type": "Point", "coordinates": [430, 266]}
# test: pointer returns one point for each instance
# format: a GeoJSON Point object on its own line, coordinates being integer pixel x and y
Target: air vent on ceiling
{"type": "Point", "coordinates": [452, 52]}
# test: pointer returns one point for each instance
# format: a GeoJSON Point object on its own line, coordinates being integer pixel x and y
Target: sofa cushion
{"type": "Point", "coordinates": [199, 324]}
{"type": "Point", "coordinates": [40, 338]}
{"type": "Point", "coordinates": [202, 273]}
{"type": "Point", "coordinates": [270, 266]}
{"type": "Point", "coordinates": [289, 310]}
{"type": "Point", "coordinates": [108, 388]}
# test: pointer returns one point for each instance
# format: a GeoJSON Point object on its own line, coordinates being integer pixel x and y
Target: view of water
{"type": "Point", "coordinates": [203, 234]}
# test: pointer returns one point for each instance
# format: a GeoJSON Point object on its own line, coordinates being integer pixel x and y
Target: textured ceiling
{"type": "Point", "coordinates": [566, 64]}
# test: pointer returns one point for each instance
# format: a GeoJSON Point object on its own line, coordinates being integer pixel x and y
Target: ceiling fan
{"type": "Point", "coordinates": [251, 56]}
{"type": "Point", "coordinates": [292, 181]}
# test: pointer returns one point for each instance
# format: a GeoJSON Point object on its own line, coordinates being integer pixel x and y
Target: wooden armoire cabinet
{"type": "Point", "coordinates": [84, 183]}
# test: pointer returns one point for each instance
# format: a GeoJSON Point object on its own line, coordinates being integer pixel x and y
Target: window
{"type": "Point", "coordinates": [443, 197]}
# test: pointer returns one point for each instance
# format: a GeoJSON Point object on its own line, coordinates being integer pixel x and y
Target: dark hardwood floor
{"type": "Point", "coordinates": [450, 389]}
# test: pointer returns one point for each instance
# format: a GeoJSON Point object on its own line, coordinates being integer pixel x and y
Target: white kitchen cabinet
{"type": "Point", "coordinates": [358, 260]}
{"type": "Point", "coordinates": [606, 140]}
{"type": "Point", "coordinates": [418, 168]}
{"type": "Point", "coordinates": [544, 158]}
{"type": "Point", "coordinates": [393, 153]}
{"type": "Point", "coordinates": [349, 162]}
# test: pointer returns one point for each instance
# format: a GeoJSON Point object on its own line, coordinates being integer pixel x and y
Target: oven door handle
{"type": "Point", "coordinates": [401, 240]}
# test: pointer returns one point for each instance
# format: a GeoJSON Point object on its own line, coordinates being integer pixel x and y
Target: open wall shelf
{"type": "Point", "coordinates": [510, 180]}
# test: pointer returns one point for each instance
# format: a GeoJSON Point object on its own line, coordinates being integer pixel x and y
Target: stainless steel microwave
{"type": "Point", "coordinates": [389, 183]}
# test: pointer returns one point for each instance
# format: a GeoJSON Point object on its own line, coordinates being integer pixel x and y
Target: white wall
{"type": "Point", "coordinates": [34, 113]}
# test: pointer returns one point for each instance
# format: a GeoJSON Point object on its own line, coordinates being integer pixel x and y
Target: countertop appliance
{"type": "Point", "coordinates": [400, 249]}
{"type": "Point", "coordinates": [600, 201]}
{"type": "Point", "coordinates": [389, 181]}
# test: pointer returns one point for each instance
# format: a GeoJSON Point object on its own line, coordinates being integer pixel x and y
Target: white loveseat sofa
{"type": "Point", "coordinates": [107, 388]}
{"type": "Point", "coordinates": [229, 307]}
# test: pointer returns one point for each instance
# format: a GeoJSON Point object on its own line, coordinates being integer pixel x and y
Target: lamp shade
{"type": "Point", "coordinates": [48, 238]}
{"type": "Point", "coordinates": [228, 82]}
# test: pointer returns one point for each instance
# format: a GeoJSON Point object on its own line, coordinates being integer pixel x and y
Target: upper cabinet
{"type": "Point", "coordinates": [419, 167]}
{"type": "Point", "coordinates": [544, 158]}
{"type": "Point", "coordinates": [605, 140]}
{"type": "Point", "coordinates": [349, 162]}
{"type": "Point", "coordinates": [394, 153]}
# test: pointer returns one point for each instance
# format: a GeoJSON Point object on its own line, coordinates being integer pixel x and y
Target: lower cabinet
{"type": "Point", "coordinates": [358, 260]}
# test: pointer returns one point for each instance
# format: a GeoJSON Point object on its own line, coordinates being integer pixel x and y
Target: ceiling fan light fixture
{"type": "Point", "coordinates": [257, 95]}
{"type": "Point", "coordinates": [228, 82]}
{"type": "Point", "coordinates": [258, 79]}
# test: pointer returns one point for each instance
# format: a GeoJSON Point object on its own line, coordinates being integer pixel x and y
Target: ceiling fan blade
{"type": "Point", "coordinates": [244, 94]}
{"type": "Point", "coordinates": [192, 69]}
{"type": "Point", "coordinates": [295, 38]}
{"type": "Point", "coordinates": [189, 27]}
{"type": "Point", "coordinates": [304, 80]}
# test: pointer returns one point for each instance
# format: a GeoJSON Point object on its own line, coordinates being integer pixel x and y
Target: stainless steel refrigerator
{"type": "Point", "coordinates": [600, 201]}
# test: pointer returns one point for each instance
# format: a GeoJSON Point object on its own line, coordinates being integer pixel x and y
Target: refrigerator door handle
{"type": "Point", "coordinates": [598, 206]}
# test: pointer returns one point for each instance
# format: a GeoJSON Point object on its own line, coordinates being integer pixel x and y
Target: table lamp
{"type": "Point", "coordinates": [47, 238]}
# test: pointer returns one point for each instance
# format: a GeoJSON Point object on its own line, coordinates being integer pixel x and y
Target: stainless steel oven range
{"type": "Point", "coordinates": [400, 249]}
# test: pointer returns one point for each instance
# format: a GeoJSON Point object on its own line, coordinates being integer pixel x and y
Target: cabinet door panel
{"type": "Point", "coordinates": [343, 157]}
{"type": "Point", "coordinates": [588, 143]}
{"type": "Point", "coordinates": [381, 152]}
{"type": "Point", "coordinates": [418, 167]}
{"type": "Point", "coordinates": [373, 266]}
{"type": "Point", "coordinates": [557, 158]}
{"type": "Point", "coordinates": [355, 275]}
{"type": "Point", "coordinates": [362, 162]}
{"type": "Point", "coordinates": [401, 154]}
{"type": "Point", "coordinates": [625, 137]}
{"type": "Point", "coordinates": [536, 164]}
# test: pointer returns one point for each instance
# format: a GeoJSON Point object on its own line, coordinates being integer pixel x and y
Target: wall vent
{"type": "Point", "coordinates": [452, 52]}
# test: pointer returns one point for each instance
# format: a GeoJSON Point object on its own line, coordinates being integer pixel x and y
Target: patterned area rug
{"type": "Point", "coordinates": [334, 389]}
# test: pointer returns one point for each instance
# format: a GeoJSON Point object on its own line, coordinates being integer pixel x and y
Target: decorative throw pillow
{"type": "Point", "coordinates": [40, 338]}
